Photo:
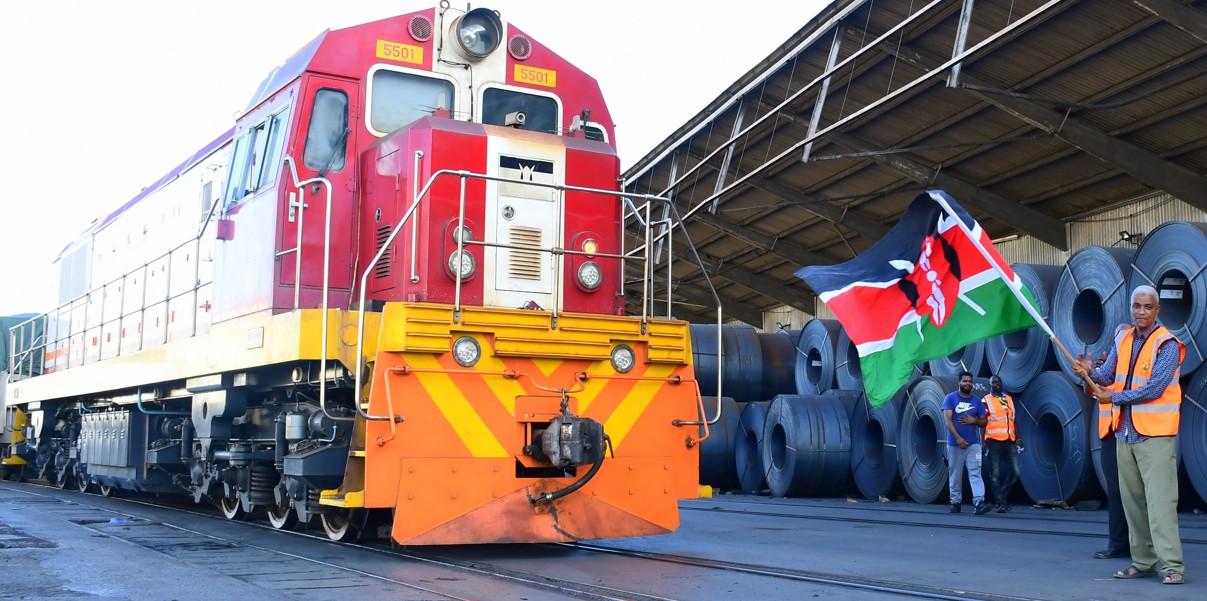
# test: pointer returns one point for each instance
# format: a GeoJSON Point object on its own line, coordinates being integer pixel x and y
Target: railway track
{"type": "Point", "coordinates": [603, 571]}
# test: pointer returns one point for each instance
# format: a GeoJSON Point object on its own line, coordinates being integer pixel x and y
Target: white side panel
{"type": "Point", "coordinates": [244, 265]}
{"type": "Point", "coordinates": [522, 215]}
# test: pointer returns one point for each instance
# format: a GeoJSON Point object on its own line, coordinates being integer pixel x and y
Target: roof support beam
{"type": "Point", "coordinates": [771, 288]}
{"type": "Point", "coordinates": [1141, 164]}
{"type": "Point", "coordinates": [787, 251]}
{"type": "Point", "coordinates": [822, 208]}
{"type": "Point", "coordinates": [1044, 228]}
{"type": "Point", "coordinates": [1179, 15]}
{"type": "Point", "coordinates": [708, 305]}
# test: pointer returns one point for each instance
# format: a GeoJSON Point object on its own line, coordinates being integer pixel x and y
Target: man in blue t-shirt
{"type": "Point", "coordinates": [964, 413]}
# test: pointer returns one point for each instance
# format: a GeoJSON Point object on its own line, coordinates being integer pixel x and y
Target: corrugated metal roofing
{"type": "Point", "coordinates": [1062, 107]}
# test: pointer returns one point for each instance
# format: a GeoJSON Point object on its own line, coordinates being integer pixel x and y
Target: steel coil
{"type": "Point", "coordinates": [874, 432]}
{"type": "Point", "coordinates": [807, 446]}
{"type": "Point", "coordinates": [848, 372]}
{"type": "Point", "coordinates": [922, 439]}
{"type": "Point", "coordinates": [1192, 431]}
{"type": "Point", "coordinates": [1020, 356]}
{"type": "Point", "coordinates": [1172, 259]}
{"type": "Point", "coordinates": [779, 362]}
{"type": "Point", "coordinates": [1053, 419]}
{"type": "Point", "coordinates": [1091, 300]}
{"type": "Point", "coordinates": [815, 357]}
{"type": "Point", "coordinates": [748, 455]}
{"type": "Point", "coordinates": [717, 452]}
{"type": "Point", "coordinates": [971, 358]}
{"type": "Point", "coordinates": [741, 366]}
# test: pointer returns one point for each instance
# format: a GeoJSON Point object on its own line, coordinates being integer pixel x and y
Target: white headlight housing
{"type": "Point", "coordinates": [466, 351]}
{"type": "Point", "coordinates": [463, 266]}
{"type": "Point", "coordinates": [623, 358]}
{"type": "Point", "coordinates": [478, 33]}
{"type": "Point", "coordinates": [590, 275]}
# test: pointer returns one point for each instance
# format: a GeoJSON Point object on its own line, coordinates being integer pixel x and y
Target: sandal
{"type": "Point", "coordinates": [1133, 572]}
{"type": "Point", "coordinates": [1173, 578]}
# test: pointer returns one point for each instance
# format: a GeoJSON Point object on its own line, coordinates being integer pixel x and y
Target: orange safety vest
{"type": "Point", "coordinates": [1001, 418]}
{"type": "Point", "coordinates": [1158, 417]}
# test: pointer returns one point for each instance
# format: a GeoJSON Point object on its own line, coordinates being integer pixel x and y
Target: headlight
{"type": "Point", "coordinates": [590, 247]}
{"type": "Point", "coordinates": [478, 33]}
{"type": "Point", "coordinates": [462, 232]}
{"type": "Point", "coordinates": [463, 266]}
{"type": "Point", "coordinates": [623, 359]}
{"type": "Point", "coordinates": [589, 275]}
{"type": "Point", "coordinates": [466, 351]}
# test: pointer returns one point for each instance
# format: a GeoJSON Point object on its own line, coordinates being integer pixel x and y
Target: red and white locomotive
{"type": "Point", "coordinates": [390, 298]}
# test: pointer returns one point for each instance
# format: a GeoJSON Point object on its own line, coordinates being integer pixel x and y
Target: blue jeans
{"type": "Point", "coordinates": [1003, 468]}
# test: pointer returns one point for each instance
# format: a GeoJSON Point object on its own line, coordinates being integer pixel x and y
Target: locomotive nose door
{"type": "Point", "coordinates": [528, 219]}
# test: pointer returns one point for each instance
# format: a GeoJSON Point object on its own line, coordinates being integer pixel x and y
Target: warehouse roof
{"type": "Point", "coordinates": [1031, 113]}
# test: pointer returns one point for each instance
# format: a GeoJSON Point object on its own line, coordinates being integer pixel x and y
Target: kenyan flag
{"type": "Point", "coordinates": [923, 291]}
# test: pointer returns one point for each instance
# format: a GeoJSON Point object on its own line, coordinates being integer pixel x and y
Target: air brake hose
{"type": "Point", "coordinates": [550, 497]}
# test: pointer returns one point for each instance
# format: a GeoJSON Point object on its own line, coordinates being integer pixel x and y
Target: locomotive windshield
{"type": "Point", "coordinates": [399, 99]}
{"type": "Point", "coordinates": [540, 112]}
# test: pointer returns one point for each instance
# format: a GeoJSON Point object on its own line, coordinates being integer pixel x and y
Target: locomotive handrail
{"type": "Point", "coordinates": [461, 242]}
{"type": "Point", "coordinates": [297, 283]}
{"type": "Point", "coordinates": [699, 263]}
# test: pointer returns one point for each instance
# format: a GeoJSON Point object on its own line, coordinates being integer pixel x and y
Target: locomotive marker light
{"type": "Point", "coordinates": [590, 275]}
{"type": "Point", "coordinates": [463, 268]}
{"type": "Point", "coordinates": [623, 358]}
{"type": "Point", "coordinates": [478, 33]}
{"type": "Point", "coordinates": [466, 351]}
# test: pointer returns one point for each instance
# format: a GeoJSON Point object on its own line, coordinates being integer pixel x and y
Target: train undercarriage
{"type": "Point", "coordinates": [251, 444]}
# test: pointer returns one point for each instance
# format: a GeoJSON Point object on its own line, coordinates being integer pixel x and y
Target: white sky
{"type": "Point", "coordinates": [105, 97]}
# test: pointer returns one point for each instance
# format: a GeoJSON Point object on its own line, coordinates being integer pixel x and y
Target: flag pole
{"type": "Point", "coordinates": [1018, 294]}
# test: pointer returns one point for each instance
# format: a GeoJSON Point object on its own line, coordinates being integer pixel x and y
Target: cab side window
{"type": "Point", "coordinates": [327, 135]}
{"type": "Point", "coordinates": [256, 159]}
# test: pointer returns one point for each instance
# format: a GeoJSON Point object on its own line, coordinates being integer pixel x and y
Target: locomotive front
{"type": "Point", "coordinates": [415, 320]}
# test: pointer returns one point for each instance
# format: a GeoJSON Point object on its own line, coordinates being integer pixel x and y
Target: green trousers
{"type": "Point", "coordinates": [1148, 483]}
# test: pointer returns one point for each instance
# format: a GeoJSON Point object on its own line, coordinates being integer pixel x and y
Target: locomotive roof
{"type": "Point", "coordinates": [1063, 109]}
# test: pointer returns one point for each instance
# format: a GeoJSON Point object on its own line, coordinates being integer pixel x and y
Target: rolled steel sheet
{"type": "Point", "coordinates": [1172, 259]}
{"type": "Point", "coordinates": [971, 358]}
{"type": "Point", "coordinates": [848, 372]}
{"type": "Point", "coordinates": [741, 365]}
{"type": "Point", "coordinates": [1020, 356]}
{"type": "Point", "coordinates": [748, 455]}
{"type": "Point", "coordinates": [779, 362]}
{"type": "Point", "coordinates": [1192, 431]}
{"type": "Point", "coordinates": [1053, 419]}
{"type": "Point", "coordinates": [815, 357]}
{"type": "Point", "coordinates": [1090, 302]}
{"type": "Point", "coordinates": [874, 432]}
{"type": "Point", "coordinates": [807, 446]}
{"type": "Point", "coordinates": [922, 439]}
{"type": "Point", "coordinates": [717, 452]}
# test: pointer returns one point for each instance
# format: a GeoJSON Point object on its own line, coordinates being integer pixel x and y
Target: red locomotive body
{"type": "Point", "coordinates": [403, 266]}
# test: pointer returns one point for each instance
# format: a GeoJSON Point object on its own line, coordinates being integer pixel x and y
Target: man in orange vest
{"type": "Point", "coordinates": [1139, 384]}
{"type": "Point", "coordinates": [1001, 438]}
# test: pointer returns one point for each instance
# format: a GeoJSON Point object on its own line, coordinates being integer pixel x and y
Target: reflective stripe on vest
{"type": "Point", "coordinates": [1106, 419]}
{"type": "Point", "coordinates": [1001, 418]}
{"type": "Point", "coordinates": [1158, 417]}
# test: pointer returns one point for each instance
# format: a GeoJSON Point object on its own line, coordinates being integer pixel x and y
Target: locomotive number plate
{"type": "Point", "coordinates": [534, 76]}
{"type": "Point", "coordinates": [395, 51]}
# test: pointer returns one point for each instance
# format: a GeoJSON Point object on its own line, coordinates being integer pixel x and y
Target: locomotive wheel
{"type": "Point", "coordinates": [338, 527]}
{"type": "Point", "coordinates": [282, 517]}
{"type": "Point", "coordinates": [63, 480]}
{"type": "Point", "coordinates": [108, 491]}
{"type": "Point", "coordinates": [232, 508]}
{"type": "Point", "coordinates": [82, 483]}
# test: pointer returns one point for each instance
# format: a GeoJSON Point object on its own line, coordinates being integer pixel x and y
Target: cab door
{"type": "Point", "coordinates": [325, 147]}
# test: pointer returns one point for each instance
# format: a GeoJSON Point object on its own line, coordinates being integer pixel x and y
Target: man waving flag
{"type": "Point", "coordinates": [931, 286]}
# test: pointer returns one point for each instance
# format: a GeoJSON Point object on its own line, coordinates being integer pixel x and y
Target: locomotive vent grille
{"type": "Point", "coordinates": [525, 264]}
{"type": "Point", "coordinates": [421, 28]}
{"type": "Point", "coordinates": [383, 267]}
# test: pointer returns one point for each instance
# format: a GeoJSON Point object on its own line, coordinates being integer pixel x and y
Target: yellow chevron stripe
{"type": "Point", "coordinates": [466, 422]}
{"type": "Point", "coordinates": [634, 404]}
{"type": "Point", "coordinates": [506, 390]}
